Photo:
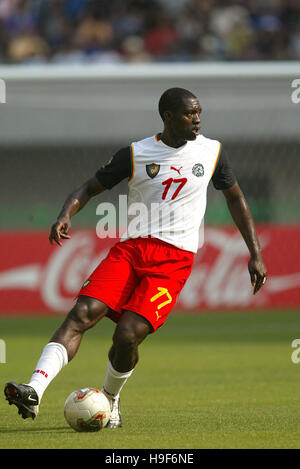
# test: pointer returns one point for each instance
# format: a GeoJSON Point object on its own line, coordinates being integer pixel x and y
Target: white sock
{"type": "Point", "coordinates": [114, 381]}
{"type": "Point", "coordinates": [53, 358]}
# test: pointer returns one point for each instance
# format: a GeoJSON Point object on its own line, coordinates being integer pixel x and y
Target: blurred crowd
{"type": "Point", "coordinates": [112, 31]}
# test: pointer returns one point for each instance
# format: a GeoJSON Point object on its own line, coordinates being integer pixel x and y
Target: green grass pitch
{"type": "Point", "coordinates": [203, 381]}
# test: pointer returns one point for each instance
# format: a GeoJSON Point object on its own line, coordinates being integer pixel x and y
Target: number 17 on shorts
{"type": "Point", "coordinates": [164, 296]}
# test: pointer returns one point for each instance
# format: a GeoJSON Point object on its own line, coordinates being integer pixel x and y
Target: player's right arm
{"type": "Point", "coordinates": [119, 167]}
{"type": "Point", "coordinates": [74, 202]}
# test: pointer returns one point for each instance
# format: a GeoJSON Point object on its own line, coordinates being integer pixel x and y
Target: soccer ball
{"type": "Point", "coordinates": [87, 410]}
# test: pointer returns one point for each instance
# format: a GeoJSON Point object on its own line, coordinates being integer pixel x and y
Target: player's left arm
{"type": "Point", "coordinates": [242, 217]}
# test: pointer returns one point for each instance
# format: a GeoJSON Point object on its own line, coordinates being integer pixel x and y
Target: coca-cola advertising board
{"type": "Point", "coordinates": [37, 278]}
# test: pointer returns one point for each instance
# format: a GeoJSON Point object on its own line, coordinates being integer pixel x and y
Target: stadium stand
{"type": "Point", "coordinates": [117, 31]}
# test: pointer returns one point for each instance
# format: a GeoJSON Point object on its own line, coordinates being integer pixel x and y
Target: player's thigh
{"type": "Point", "coordinates": [113, 280]}
{"type": "Point", "coordinates": [154, 299]}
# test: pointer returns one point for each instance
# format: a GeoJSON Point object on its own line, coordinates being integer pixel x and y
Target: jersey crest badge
{"type": "Point", "coordinates": [86, 283]}
{"type": "Point", "coordinates": [198, 170]}
{"type": "Point", "coordinates": [152, 170]}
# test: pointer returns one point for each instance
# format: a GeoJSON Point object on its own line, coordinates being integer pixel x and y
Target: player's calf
{"type": "Point", "coordinates": [85, 314]}
{"type": "Point", "coordinates": [130, 331]}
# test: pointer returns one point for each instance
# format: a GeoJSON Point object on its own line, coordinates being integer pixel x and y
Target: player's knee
{"type": "Point", "coordinates": [125, 339]}
{"type": "Point", "coordinates": [130, 331]}
{"type": "Point", "coordinates": [87, 312]}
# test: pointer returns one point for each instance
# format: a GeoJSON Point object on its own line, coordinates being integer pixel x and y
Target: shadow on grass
{"type": "Point", "coordinates": [62, 429]}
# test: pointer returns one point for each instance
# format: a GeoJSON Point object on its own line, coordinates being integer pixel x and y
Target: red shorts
{"type": "Point", "coordinates": [143, 275]}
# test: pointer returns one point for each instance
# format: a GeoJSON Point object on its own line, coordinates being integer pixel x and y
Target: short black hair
{"type": "Point", "coordinates": [172, 98]}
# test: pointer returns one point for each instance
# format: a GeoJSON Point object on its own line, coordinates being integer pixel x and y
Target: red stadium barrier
{"type": "Point", "coordinates": [38, 278]}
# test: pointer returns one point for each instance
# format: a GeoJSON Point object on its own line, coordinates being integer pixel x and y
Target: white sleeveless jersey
{"type": "Point", "coordinates": [168, 189]}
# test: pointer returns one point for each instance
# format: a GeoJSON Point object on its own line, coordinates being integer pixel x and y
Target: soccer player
{"type": "Point", "coordinates": [139, 281]}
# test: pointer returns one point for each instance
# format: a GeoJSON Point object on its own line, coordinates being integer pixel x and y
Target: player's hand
{"type": "Point", "coordinates": [258, 273]}
{"type": "Point", "coordinates": [59, 230]}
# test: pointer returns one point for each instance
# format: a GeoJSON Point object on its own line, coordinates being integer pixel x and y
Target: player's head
{"type": "Point", "coordinates": [180, 111]}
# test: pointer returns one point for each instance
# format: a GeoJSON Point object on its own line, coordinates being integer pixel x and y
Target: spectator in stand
{"type": "Point", "coordinates": [27, 48]}
{"type": "Point", "coordinates": [24, 44]}
{"type": "Point", "coordinates": [54, 24]}
{"type": "Point", "coordinates": [7, 8]}
{"type": "Point", "coordinates": [20, 19]}
{"type": "Point", "coordinates": [133, 50]}
{"type": "Point", "coordinates": [160, 36]}
{"type": "Point", "coordinates": [74, 9]}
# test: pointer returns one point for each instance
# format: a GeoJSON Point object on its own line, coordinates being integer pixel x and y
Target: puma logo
{"type": "Point", "coordinates": [175, 169]}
